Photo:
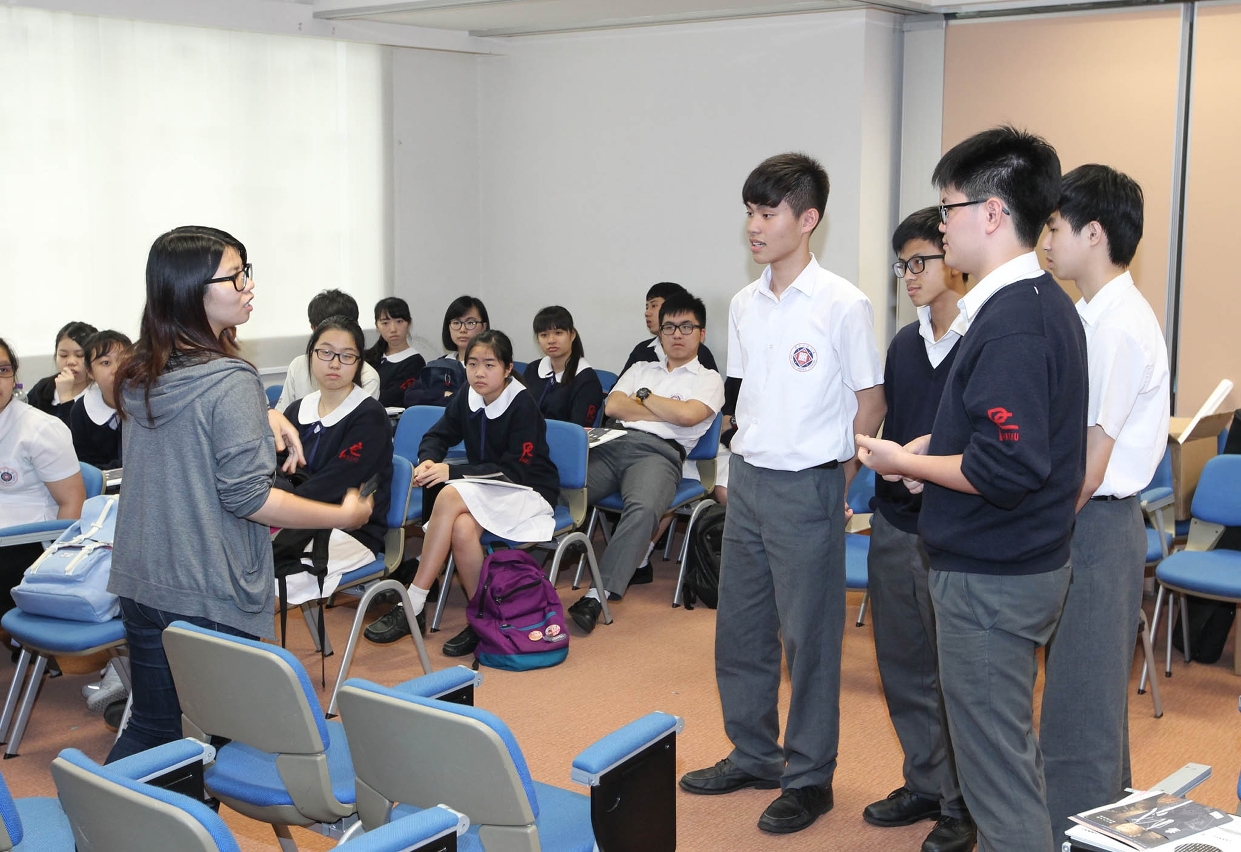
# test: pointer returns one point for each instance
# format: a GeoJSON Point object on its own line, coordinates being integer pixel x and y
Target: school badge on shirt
{"type": "Point", "coordinates": [7, 475]}
{"type": "Point", "coordinates": [803, 357]}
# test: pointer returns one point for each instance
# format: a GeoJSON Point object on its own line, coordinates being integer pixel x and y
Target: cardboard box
{"type": "Point", "coordinates": [1190, 455]}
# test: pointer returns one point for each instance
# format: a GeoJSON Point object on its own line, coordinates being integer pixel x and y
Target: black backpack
{"type": "Point", "coordinates": [702, 572]}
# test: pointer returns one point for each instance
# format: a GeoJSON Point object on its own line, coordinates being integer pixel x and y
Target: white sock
{"type": "Point", "coordinates": [593, 593]}
{"type": "Point", "coordinates": [417, 599]}
{"type": "Point", "coordinates": [646, 560]}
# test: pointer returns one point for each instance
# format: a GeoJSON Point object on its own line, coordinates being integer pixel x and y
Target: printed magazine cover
{"type": "Point", "coordinates": [1152, 820]}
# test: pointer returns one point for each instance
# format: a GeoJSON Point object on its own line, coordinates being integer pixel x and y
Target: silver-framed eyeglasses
{"type": "Point", "coordinates": [686, 328]}
{"type": "Point", "coordinates": [915, 264]}
{"type": "Point", "coordinates": [346, 358]}
{"type": "Point", "coordinates": [467, 324]}
{"type": "Point", "coordinates": [240, 279]}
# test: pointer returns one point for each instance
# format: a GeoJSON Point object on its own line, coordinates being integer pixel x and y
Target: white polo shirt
{"type": "Point", "coordinates": [689, 381]}
{"type": "Point", "coordinates": [801, 357]}
{"type": "Point", "coordinates": [34, 448]}
{"type": "Point", "coordinates": [1128, 361]}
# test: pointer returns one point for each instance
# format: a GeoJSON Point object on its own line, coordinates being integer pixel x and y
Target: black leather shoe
{"type": "Point", "coordinates": [724, 777]}
{"type": "Point", "coordinates": [902, 807]}
{"type": "Point", "coordinates": [393, 626]}
{"type": "Point", "coordinates": [951, 835]}
{"type": "Point", "coordinates": [796, 809]}
{"type": "Point", "coordinates": [645, 574]}
{"type": "Point", "coordinates": [585, 613]}
{"type": "Point", "coordinates": [463, 643]}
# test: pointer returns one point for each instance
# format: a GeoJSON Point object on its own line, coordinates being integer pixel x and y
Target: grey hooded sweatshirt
{"type": "Point", "coordinates": [194, 471]}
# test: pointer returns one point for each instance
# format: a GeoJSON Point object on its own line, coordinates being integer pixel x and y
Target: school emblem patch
{"type": "Point", "coordinates": [7, 475]}
{"type": "Point", "coordinates": [803, 357]}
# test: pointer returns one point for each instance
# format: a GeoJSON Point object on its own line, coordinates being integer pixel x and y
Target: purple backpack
{"type": "Point", "coordinates": [517, 615]}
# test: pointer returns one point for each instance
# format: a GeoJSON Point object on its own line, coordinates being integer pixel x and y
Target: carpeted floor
{"type": "Point", "coordinates": [654, 657]}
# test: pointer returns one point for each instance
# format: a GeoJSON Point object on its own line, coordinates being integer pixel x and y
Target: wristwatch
{"type": "Point", "coordinates": [642, 394]}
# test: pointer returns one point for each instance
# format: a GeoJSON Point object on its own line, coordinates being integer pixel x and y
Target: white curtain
{"type": "Point", "coordinates": [114, 131]}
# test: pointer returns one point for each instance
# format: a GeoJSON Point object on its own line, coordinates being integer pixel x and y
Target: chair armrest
{"type": "Point", "coordinates": [412, 833]}
{"type": "Point", "coordinates": [1154, 499]}
{"type": "Point", "coordinates": [598, 759]}
{"type": "Point", "coordinates": [454, 684]}
{"type": "Point", "coordinates": [34, 533]}
{"type": "Point", "coordinates": [148, 764]}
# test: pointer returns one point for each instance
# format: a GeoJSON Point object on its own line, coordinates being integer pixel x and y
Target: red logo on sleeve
{"type": "Point", "coordinates": [408, 383]}
{"type": "Point", "coordinates": [591, 413]}
{"type": "Point", "coordinates": [527, 452]}
{"type": "Point", "coordinates": [352, 454]}
{"type": "Point", "coordinates": [1000, 417]}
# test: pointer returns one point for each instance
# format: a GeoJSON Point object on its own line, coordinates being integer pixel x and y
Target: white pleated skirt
{"type": "Point", "coordinates": [516, 514]}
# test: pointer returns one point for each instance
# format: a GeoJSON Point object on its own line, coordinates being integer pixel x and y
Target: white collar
{"type": "Point", "coordinates": [805, 280]}
{"type": "Point", "coordinates": [100, 412]}
{"type": "Point", "coordinates": [308, 411]}
{"type": "Point", "coordinates": [1108, 294]}
{"type": "Point", "coordinates": [501, 402]}
{"type": "Point", "coordinates": [959, 325]}
{"type": "Point", "coordinates": [1018, 269]}
{"type": "Point", "coordinates": [400, 356]}
{"type": "Point", "coordinates": [545, 367]}
{"type": "Point", "coordinates": [691, 366]}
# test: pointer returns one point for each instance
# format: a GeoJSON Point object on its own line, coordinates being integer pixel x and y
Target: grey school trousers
{"type": "Point", "coordinates": [905, 649]}
{"type": "Point", "coordinates": [1084, 728]}
{"type": "Point", "coordinates": [646, 470]}
{"type": "Point", "coordinates": [990, 627]}
{"type": "Point", "coordinates": [782, 577]}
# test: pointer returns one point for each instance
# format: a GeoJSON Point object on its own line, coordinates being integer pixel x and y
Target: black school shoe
{"type": "Point", "coordinates": [951, 835]}
{"type": "Point", "coordinates": [797, 808]}
{"type": "Point", "coordinates": [393, 626]}
{"type": "Point", "coordinates": [902, 807]}
{"type": "Point", "coordinates": [585, 613]}
{"type": "Point", "coordinates": [724, 777]}
{"type": "Point", "coordinates": [463, 643]}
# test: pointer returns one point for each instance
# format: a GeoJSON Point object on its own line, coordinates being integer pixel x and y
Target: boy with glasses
{"type": "Point", "coordinates": [801, 346]}
{"type": "Point", "coordinates": [1002, 469]}
{"type": "Point", "coordinates": [666, 406]}
{"type": "Point", "coordinates": [919, 360]}
{"type": "Point", "coordinates": [298, 382]}
{"type": "Point", "coordinates": [1091, 240]}
{"type": "Point", "coordinates": [652, 350]}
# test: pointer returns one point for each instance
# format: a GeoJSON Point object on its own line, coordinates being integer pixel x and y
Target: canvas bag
{"type": "Point", "coordinates": [517, 614]}
{"type": "Point", "coordinates": [70, 579]}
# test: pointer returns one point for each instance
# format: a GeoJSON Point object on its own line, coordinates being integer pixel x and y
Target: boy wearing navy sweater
{"type": "Point", "coordinates": [653, 350]}
{"type": "Point", "coordinates": [919, 359]}
{"type": "Point", "coordinates": [1002, 468]}
{"type": "Point", "coordinates": [1091, 239]}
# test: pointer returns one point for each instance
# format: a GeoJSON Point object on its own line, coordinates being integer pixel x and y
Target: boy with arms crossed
{"type": "Point", "coordinates": [1002, 468]}
{"type": "Point", "coordinates": [1084, 733]}
{"type": "Point", "coordinates": [919, 359]}
{"type": "Point", "coordinates": [801, 343]}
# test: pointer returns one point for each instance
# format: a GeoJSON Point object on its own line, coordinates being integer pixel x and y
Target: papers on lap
{"type": "Point", "coordinates": [495, 479]}
{"type": "Point", "coordinates": [601, 435]}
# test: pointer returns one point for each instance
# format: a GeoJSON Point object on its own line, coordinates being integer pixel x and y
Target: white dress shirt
{"type": "Point", "coordinates": [937, 350]}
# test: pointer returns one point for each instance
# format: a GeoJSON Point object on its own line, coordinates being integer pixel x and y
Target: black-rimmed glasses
{"type": "Point", "coordinates": [915, 264]}
{"type": "Point", "coordinates": [240, 279]}
{"type": "Point", "coordinates": [467, 324]}
{"type": "Point", "coordinates": [944, 208]}
{"type": "Point", "coordinates": [346, 358]}
{"type": "Point", "coordinates": [686, 328]}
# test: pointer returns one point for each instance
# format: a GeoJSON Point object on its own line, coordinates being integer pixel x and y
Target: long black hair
{"type": "Point", "coordinates": [393, 307]}
{"type": "Point", "coordinates": [459, 307]}
{"type": "Point", "coordinates": [556, 318]}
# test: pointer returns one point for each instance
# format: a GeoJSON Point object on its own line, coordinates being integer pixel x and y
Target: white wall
{"type": "Point", "coordinates": [609, 161]}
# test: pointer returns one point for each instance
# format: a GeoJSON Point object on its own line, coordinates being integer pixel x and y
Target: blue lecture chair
{"type": "Point", "coordinates": [857, 545]}
{"type": "Point", "coordinates": [273, 394]}
{"type": "Point", "coordinates": [35, 824]}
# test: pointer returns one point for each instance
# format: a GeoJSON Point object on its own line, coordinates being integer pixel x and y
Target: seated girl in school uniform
{"type": "Point", "coordinates": [442, 377]}
{"type": "Point", "coordinates": [95, 425]}
{"type": "Point", "coordinates": [56, 394]}
{"type": "Point", "coordinates": [347, 440]}
{"type": "Point", "coordinates": [504, 434]}
{"type": "Point", "coordinates": [398, 364]}
{"type": "Point", "coordinates": [566, 387]}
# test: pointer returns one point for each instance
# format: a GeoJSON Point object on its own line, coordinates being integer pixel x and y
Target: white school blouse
{"type": "Point", "coordinates": [34, 448]}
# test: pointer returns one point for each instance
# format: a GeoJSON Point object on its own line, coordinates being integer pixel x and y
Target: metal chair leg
{"type": "Point", "coordinates": [1148, 665]}
{"type": "Point", "coordinates": [671, 534]}
{"type": "Point", "coordinates": [23, 712]}
{"type": "Point", "coordinates": [581, 562]}
{"type": "Point", "coordinates": [15, 691]}
{"type": "Point", "coordinates": [1184, 625]}
{"type": "Point", "coordinates": [445, 584]}
{"type": "Point", "coordinates": [861, 613]}
{"type": "Point", "coordinates": [589, 555]}
{"type": "Point", "coordinates": [1148, 652]}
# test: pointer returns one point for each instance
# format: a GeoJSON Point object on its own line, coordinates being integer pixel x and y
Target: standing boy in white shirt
{"type": "Point", "coordinates": [1091, 240]}
{"type": "Point", "coordinates": [801, 343]}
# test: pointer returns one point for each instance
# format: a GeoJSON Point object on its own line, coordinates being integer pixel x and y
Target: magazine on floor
{"type": "Point", "coordinates": [1152, 820]}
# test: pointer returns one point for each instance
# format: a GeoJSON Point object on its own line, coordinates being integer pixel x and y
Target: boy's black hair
{"type": "Point", "coordinates": [102, 342]}
{"type": "Point", "coordinates": [78, 332]}
{"type": "Point", "coordinates": [663, 290]}
{"type": "Point", "coordinates": [1095, 193]}
{"type": "Point", "coordinates": [1017, 167]}
{"type": "Point", "coordinates": [459, 307]}
{"type": "Point", "coordinates": [795, 178]}
{"type": "Point", "coordinates": [553, 318]}
{"type": "Point", "coordinates": [331, 303]}
{"type": "Point", "coordinates": [684, 303]}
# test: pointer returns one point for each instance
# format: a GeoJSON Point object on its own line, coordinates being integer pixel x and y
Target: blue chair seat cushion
{"type": "Point", "coordinates": [857, 550]}
{"type": "Point", "coordinates": [563, 822]}
{"type": "Point", "coordinates": [1215, 573]}
{"type": "Point", "coordinates": [248, 775]}
{"type": "Point", "coordinates": [60, 636]}
{"type": "Point", "coordinates": [45, 828]}
{"type": "Point", "coordinates": [362, 574]}
{"type": "Point", "coordinates": [1154, 552]}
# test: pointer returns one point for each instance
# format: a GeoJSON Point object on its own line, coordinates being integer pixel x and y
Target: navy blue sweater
{"type": "Point", "coordinates": [580, 401]}
{"type": "Point", "coordinates": [912, 388]}
{"type": "Point", "coordinates": [1015, 408]}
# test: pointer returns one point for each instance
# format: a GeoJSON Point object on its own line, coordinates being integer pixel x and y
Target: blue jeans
{"type": "Point", "coordinates": [156, 714]}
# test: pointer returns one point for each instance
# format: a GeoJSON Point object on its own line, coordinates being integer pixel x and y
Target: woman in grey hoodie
{"type": "Point", "coordinates": [192, 532]}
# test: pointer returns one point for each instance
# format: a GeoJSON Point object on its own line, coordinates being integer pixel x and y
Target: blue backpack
{"type": "Point", "coordinates": [70, 579]}
{"type": "Point", "coordinates": [517, 615]}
